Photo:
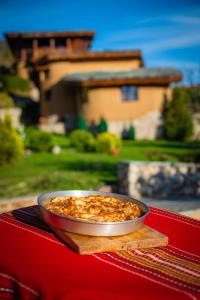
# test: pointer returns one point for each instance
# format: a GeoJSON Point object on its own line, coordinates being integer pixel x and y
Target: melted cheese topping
{"type": "Point", "coordinates": [95, 208]}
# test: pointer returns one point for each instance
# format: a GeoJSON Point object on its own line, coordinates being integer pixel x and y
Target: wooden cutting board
{"type": "Point", "coordinates": [146, 237]}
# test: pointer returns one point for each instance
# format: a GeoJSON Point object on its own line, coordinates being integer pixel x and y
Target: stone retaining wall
{"type": "Point", "coordinates": [158, 179]}
{"type": "Point", "coordinates": [147, 127]}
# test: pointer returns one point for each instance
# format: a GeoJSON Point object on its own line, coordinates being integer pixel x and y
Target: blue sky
{"type": "Point", "coordinates": [167, 31]}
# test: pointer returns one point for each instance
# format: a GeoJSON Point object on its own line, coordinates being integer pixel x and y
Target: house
{"type": "Point", "coordinates": [73, 79]}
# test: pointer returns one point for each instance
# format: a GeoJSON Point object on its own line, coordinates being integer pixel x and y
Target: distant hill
{"type": "Point", "coordinates": [6, 57]}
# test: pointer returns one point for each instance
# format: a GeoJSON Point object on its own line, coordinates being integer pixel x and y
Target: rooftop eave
{"type": "Point", "coordinates": [49, 34]}
{"type": "Point", "coordinates": [92, 56]}
{"type": "Point", "coordinates": [130, 81]}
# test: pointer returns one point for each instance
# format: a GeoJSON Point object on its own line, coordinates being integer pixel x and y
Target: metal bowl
{"type": "Point", "coordinates": [84, 227]}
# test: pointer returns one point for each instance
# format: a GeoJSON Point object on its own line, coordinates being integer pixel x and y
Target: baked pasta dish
{"type": "Point", "coordinates": [95, 208]}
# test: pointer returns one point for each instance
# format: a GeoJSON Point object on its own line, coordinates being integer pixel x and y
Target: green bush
{"type": "Point", "coordinates": [102, 126]}
{"type": "Point", "coordinates": [131, 133]}
{"type": "Point", "coordinates": [5, 100]}
{"type": "Point", "coordinates": [108, 142]}
{"type": "Point", "coordinates": [178, 123]}
{"type": "Point", "coordinates": [82, 140]}
{"type": "Point", "coordinates": [15, 84]}
{"type": "Point", "coordinates": [11, 145]}
{"type": "Point", "coordinates": [81, 123]}
{"type": "Point", "coordinates": [37, 140]}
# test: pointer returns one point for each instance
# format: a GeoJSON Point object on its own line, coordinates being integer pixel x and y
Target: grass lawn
{"type": "Point", "coordinates": [40, 172]}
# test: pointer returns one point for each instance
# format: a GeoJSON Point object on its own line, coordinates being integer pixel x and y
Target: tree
{"type": "Point", "coordinates": [81, 123]}
{"type": "Point", "coordinates": [11, 145]}
{"type": "Point", "coordinates": [131, 133]}
{"type": "Point", "coordinates": [178, 123]}
{"type": "Point", "coordinates": [102, 126]}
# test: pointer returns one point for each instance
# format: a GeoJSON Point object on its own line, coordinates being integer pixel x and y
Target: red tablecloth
{"type": "Point", "coordinates": [34, 264]}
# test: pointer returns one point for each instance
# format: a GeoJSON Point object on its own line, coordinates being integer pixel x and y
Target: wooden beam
{"type": "Point", "coordinates": [159, 81]}
{"type": "Point", "coordinates": [94, 56]}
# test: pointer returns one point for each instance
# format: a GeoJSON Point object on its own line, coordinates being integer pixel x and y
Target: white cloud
{"type": "Point", "coordinates": [169, 32]}
{"type": "Point", "coordinates": [133, 34]}
{"type": "Point", "coordinates": [190, 20]}
{"type": "Point", "coordinates": [179, 64]}
{"type": "Point", "coordinates": [176, 42]}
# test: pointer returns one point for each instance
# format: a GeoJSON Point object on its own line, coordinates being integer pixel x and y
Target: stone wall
{"type": "Point", "coordinates": [158, 179]}
{"type": "Point", "coordinates": [52, 124]}
{"type": "Point", "coordinates": [148, 127]}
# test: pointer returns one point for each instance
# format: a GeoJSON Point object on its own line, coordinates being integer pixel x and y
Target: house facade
{"type": "Point", "coordinates": [112, 84]}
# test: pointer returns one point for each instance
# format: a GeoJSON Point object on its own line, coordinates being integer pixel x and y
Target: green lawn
{"type": "Point", "coordinates": [40, 172]}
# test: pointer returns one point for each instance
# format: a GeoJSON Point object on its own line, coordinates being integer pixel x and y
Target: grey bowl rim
{"type": "Point", "coordinates": [93, 222]}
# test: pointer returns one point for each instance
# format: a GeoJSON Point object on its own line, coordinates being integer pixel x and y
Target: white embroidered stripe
{"type": "Point", "coordinates": [146, 277]}
{"type": "Point", "coordinates": [19, 283]}
{"type": "Point", "coordinates": [175, 216]}
{"type": "Point", "coordinates": [176, 255]}
{"type": "Point", "coordinates": [28, 225]}
{"type": "Point", "coordinates": [171, 246]}
{"type": "Point", "coordinates": [181, 255]}
{"type": "Point", "coordinates": [167, 263]}
{"type": "Point", "coordinates": [153, 273]}
{"type": "Point", "coordinates": [190, 295]}
{"type": "Point", "coordinates": [169, 217]}
{"type": "Point", "coordinates": [35, 233]}
{"type": "Point", "coordinates": [184, 251]}
{"type": "Point", "coordinates": [6, 290]}
{"type": "Point", "coordinates": [191, 254]}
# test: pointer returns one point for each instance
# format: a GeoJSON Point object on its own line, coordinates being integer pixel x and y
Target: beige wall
{"type": "Point", "coordinates": [107, 102]}
{"type": "Point", "coordinates": [58, 70]}
{"type": "Point", "coordinates": [61, 95]}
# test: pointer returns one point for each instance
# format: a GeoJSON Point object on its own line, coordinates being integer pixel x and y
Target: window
{"type": "Point", "coordinates": [129, 93]}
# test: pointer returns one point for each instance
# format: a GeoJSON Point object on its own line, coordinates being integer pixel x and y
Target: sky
{"type": "Point", "coordinates": [167, 31]}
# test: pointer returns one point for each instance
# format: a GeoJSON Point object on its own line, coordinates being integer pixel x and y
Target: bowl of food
{"type": "Point", "coordinates": [92, 213]}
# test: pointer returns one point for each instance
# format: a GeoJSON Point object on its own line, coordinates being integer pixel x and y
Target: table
{"type": "Point", "coordinates": [34, 264]}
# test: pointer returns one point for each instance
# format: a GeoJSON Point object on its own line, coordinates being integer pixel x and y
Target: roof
{"type": "Point", "coordinates": [137, 76]}
{"type": "Point", "coordinates": [49, 34]}
{"type": "Point", "coordinates": [91, 56]}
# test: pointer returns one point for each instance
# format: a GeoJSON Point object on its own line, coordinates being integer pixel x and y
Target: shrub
{"type": "Point", "coordinates": [131, 133]}
{"type": "Point", "coordinates": [81, 123]}
{"type": "Point", "coordinates": [5, 100]}
{"type": "Point", "coordinates": [108, 142]}
{"type": "Point", "coordinates": [37, 140]}
{"type": "Point", "coordinates": [82, 140]}
{"type": "Point", "coordinates": [178, 123]}
{"type": "Point", "coordinates": [11, 145]}
{"type": "Point", "coordinates": [15, 84]}
{"type": "Point", "coordinates": [102, 126]}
